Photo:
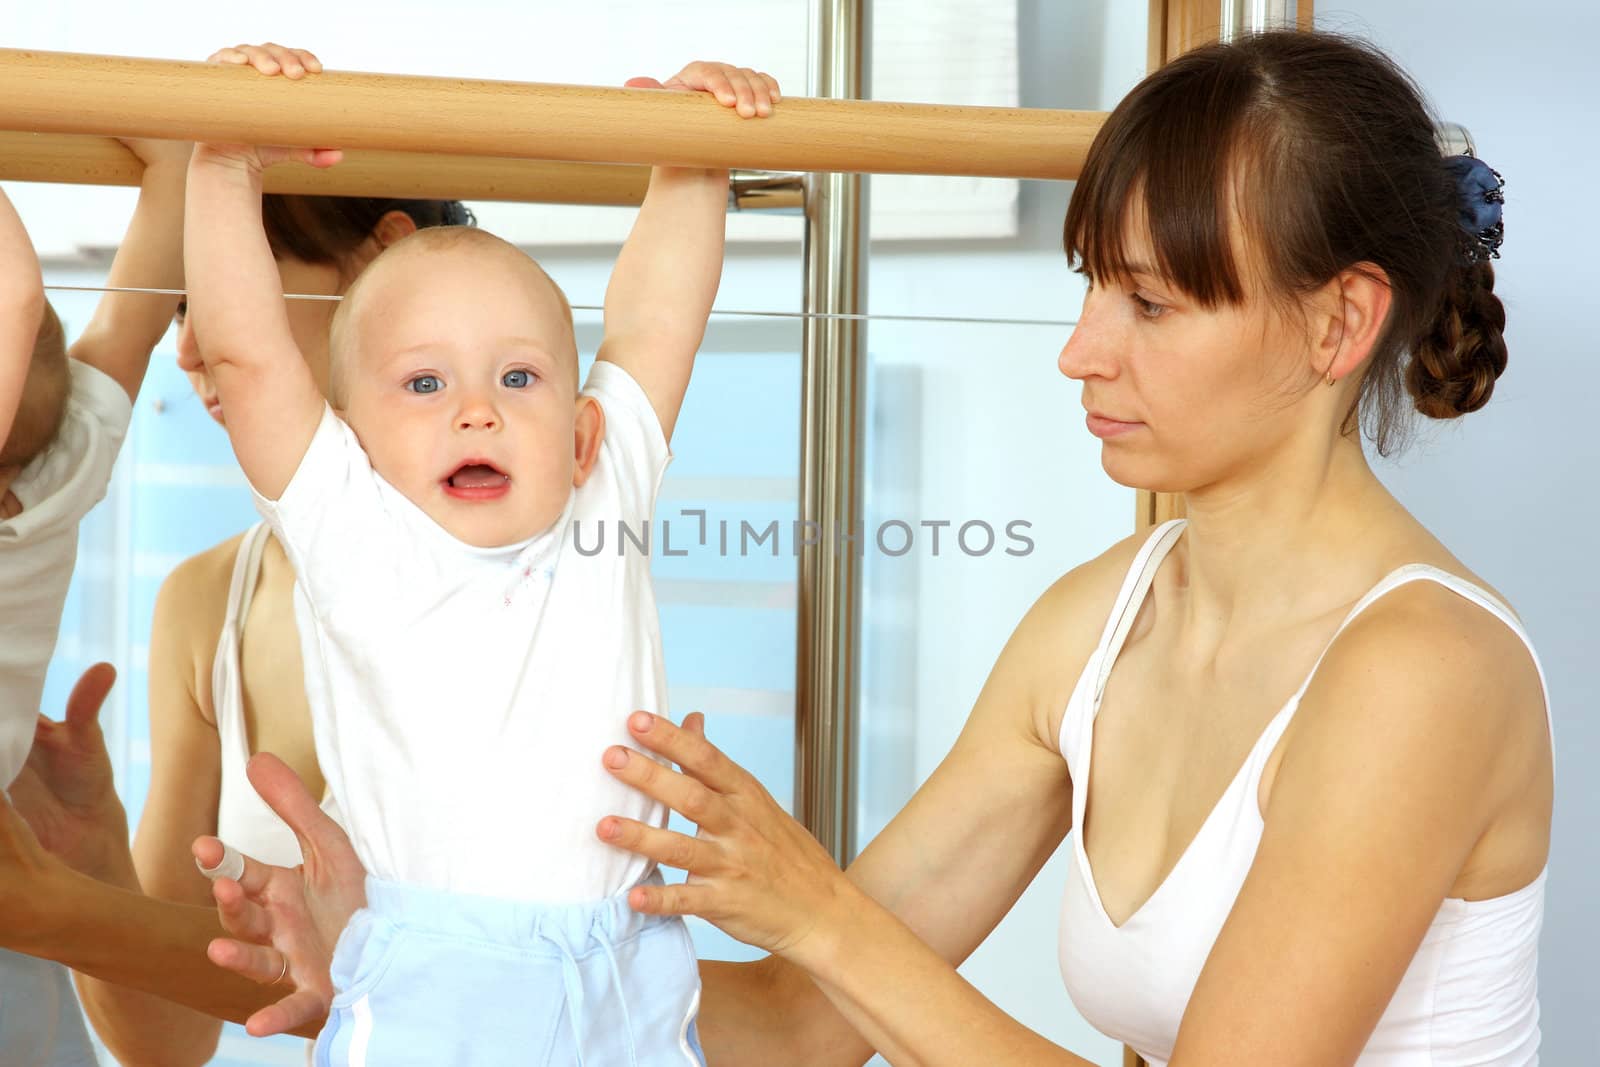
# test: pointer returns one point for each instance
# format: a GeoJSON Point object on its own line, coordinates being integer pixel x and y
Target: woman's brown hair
{"type": "Point", "coordinates": [1323, 150]}
{"type": "Point", "coordinates": [329, 229]}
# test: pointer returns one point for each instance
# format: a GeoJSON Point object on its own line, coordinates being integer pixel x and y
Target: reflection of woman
{"type": "Point", "coordinates": [1316, 827]}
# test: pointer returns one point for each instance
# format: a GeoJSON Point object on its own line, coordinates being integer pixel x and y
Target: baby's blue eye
{"type": "Point", "coordinates": [516, 379]}
{"type": "Point", "coordinates": [425, 383]}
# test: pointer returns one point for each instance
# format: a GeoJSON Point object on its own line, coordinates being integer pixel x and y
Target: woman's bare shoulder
{"type": "Point", "coordinates": [1053, 642]}
{"type": "Point", "coordinates": [194, 597]}
{"type": "Point", "coordinates": [1079, 602]}
{"type": "Point", "coordinates": [1424, 663]}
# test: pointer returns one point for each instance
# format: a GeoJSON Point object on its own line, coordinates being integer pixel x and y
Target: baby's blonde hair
{"type": "Point", "coordinates": [43, 404]}
{"type": "Point", "coordinates": [431, 239]}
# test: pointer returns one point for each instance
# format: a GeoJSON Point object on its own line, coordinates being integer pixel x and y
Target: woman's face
{"type": "Point", "coordinates": [1185, 397]}
{"type": "Point", "coordinates": [308, 322]}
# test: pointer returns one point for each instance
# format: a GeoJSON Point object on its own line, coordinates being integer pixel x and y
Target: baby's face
{"type": "Point", "coordinates": [460, 379]}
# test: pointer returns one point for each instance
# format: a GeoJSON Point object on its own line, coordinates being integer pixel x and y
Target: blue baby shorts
{"type": "Point", "coordinates": [423, 976]}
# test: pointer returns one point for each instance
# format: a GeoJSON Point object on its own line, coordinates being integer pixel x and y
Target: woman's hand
{"type": "Point", "coordinates": [753, 871]}
{"type": "Point", "coordinates": [269, 59]}
{"type": "Point", "coordinates": [24, 870]}
{"type": "Point", "coordinates": [65, 791]}
{"type": "Point", "coordinates": [748, 91]}
{"type": "Point", "coordinates": [285, 922]}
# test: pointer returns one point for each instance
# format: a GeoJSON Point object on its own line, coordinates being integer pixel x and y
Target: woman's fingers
{"type": "Point", "coordinates": [242, 917]}
{"type": "Point", "coordinates": [690, 750]}
{"type": "Point", "coordinates": [667, 847]}
{"type": "Point", "coordinates": [292, 1012]}
{"type": "Point", "coordinates": [259, 963]}
{"type": "Point", "coordinates": [287, 796]}
{"type": "Point", "coordinates": [83, 705]}
{"type": "Point", "coordinates": [220, 863]}
{"type": "Point", "coordinates": [694, 800]}
{"type": "Point", "coordinates": [679, 898]}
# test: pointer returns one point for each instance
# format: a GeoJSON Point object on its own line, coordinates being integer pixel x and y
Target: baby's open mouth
{"type": "Point", "coordinates": [477, 476]}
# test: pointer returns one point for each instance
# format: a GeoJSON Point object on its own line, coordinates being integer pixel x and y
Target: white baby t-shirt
{"type": "Point", "coordinates": [39, 547]}
{"type": "Point", "coordinates": [462, 697]}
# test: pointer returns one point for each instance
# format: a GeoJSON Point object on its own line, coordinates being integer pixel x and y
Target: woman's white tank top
{"type": "Point", "coordinates": [1470, 995]}
{"type": "Point", "coordinates": [243, 818]}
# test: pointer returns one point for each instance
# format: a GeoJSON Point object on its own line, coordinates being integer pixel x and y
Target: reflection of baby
{"type": "Point", "coordinates": [63, 416]}
{"type": "Point", "coordinates": [466, 666]}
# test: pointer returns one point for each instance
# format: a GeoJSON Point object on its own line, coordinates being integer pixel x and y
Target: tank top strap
{"type": "Point", "coordinates": [227, 698]}
{"type": "Point", "coordinates": [1404, 575]}
{"type": "Point", "coordinates": [1126, 609]}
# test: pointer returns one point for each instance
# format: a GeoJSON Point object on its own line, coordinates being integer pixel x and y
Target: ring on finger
{"type": "Point", "coordinates": [283, 973]}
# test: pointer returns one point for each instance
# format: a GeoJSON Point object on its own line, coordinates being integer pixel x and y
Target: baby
{"type": "Point", "coordinates": [63, 415]}
{"type": "Point", "coordinates": [465, 664]}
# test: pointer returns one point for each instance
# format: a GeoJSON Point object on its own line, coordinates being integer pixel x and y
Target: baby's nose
{"type": "Point", "coordinates": [477, 415]}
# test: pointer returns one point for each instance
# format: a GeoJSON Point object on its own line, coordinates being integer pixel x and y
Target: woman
{"type": "Point", "coordinates": [1318, 819]}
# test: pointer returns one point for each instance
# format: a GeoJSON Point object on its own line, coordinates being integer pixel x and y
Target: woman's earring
{"type": "Point", "coordinates": [1329, 376]}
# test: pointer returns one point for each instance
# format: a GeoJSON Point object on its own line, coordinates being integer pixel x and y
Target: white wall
{"type": "Point", "coordinates": [1512, 489]}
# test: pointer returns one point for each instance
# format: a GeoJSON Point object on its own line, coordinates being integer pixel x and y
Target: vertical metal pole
{"type": "Point", "coordinates": [832, 397]}
{"type": "Point", "coordinates": [1252, 16]}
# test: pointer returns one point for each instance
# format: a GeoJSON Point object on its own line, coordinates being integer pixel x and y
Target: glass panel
{"type": "Point", "coordinates": [974, 428]}
{"type": "Point", "coordinates": [980, 463]}
{"type": "Point", "coordinates": [727, 601]}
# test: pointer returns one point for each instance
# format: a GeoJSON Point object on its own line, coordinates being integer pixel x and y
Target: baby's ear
{"type": "Point", "coordinates": [588, 430]}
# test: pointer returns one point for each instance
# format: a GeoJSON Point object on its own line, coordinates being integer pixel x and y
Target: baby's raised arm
{"type": "Point", "coordinates": [21, 308]}
{"type": "Point", "coordinates": [236, 307]}
{"type": "Point", "coordinates": [666, 277]}
{"type": "Point", "coordinates": [126, 327]}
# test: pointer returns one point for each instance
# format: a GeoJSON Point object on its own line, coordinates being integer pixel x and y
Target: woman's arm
{"type": "Point", "coordinates": [53, 912]}
{"type": "Point", "coordinates": [952, 863]}
{"type": "Point", "coordinates": [758, 875]}
{"type": "Point", "coordinates": [185, 787]}
{"type": "Point", "coordinates": [1415, 736]}
{"type": "Point", "coordinates": [154, 945]}
{"type": "Point", "coordinates": [1423, 725]}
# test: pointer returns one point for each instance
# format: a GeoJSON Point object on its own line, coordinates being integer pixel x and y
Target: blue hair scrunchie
{"type": "Point", "coordinates": [1480, 192]}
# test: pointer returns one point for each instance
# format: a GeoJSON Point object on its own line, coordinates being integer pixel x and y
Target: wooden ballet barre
{"type": "Point", "coordinates": [84, 159]}
{"type": "Point", "coordinates": [61, 92]}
